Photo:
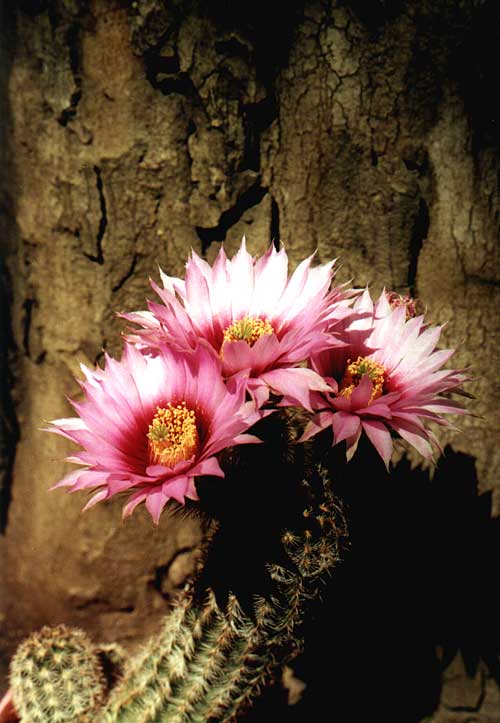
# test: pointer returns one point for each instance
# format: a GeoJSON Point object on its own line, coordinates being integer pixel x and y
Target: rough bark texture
{"type": "Point", "coordinates": [134, 131]}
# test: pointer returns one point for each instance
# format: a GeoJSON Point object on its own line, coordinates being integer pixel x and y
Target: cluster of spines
{"type": "Point", "coordinates": [56, 675]}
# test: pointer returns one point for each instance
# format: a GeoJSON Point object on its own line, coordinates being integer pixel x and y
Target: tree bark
{"type": "Point", "coordinates": [135, 131]}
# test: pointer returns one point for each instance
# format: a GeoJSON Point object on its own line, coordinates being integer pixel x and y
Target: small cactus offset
{"type": "Point", "coordinates": [56, 675]}
{"type": "Point", "coordinates": [209, 664]}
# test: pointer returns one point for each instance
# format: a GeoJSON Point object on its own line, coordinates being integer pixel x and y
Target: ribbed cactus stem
{"type": "Point", "coordinates": [148, 676]}
{"type": "Point", "coordinates": [56, 675]}
{"type": "Point", "coordinates": [223, 637]}
{"type": "Point", "coordinates": [209, 664]}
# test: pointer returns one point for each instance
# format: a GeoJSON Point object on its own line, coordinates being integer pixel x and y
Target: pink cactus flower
{"type": "Point", "coordinates": [256, 319]}
{"type": "Point", "coordinates": [394, 300]}
{"type": "Point", "coordinates": [150, 425]}
{"type": "Point", "coordinates": [388, 378]}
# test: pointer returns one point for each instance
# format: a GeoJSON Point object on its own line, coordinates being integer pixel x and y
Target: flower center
{"type": "Point", "coordinates": [248, 329]}
{"type": "Point", "coordinates": [356, 370]}
{"type": "Point", "coordinates": [172, 435]}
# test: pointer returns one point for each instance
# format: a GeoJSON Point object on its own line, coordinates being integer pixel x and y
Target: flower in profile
{"type": "Point", "coordinates": [257, 320]}
{"type": "Point", "coordinates": [149, 425]}
{"type": "Point", "coordinates": [394, 300]}
{"type": "Point", "coordinates": [388, 378]}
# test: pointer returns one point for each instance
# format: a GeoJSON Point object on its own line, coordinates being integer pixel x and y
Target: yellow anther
{"type": "Point", "coordinates": [248, 329]}
{"type": "Point", "coordinates": [356, 370]}
{"type": "Point", "coordinates": [173, 436]}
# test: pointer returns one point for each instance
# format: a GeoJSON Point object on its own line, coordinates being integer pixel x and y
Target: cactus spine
{"type": "Point", "coordinates": [207, 664]}
{"type": "Point", "coordinates": [56, 676]}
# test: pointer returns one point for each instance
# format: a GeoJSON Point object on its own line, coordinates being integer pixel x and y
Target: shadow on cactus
{"type": "Point", "coordinates": [224, 402]}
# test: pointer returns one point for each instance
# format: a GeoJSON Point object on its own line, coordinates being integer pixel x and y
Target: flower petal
{"type": "Point", "coordinates": [157, 499]}
{"type": "Point", "coordinates": [97, 497]}
{"type": "Point", "coordinates": [344, 426]}
{"type": "Point", "coordinates": [362, 394]}
{"type": "Point", "coordinates": [380, 437]}
{"type": "Point", "coordinates": [296, 383]}
{"type": "Point", "coordinates": [317, 424]}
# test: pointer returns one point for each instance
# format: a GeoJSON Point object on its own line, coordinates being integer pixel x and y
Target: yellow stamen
{"type": "Point", "coordinates": [356, 370]}
{"type": "Point", "coordinates": [248, 329]}
{"type": "Point", "coordinates": [172, 435]}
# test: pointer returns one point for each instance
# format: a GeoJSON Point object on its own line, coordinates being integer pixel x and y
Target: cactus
{"type": "Point", "coordinates": [207, 664]}
{"type": "Point", "coordinates": [56, 676]}
{"type": "Point", "coordinates": [275, 539]}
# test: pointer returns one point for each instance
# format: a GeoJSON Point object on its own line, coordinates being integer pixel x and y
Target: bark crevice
{"type": "Point", "coordinates": [249, 198]}
{"type": "Point", "coordinates": [98, 257]}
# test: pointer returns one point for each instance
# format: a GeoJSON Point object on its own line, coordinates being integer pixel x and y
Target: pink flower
{"type": "Point", "coordinates": [387, 378]}
{"type": "Point", "coordinates": [150, 425]}
{"type": "Point", "coordinates": [255, 318]}
{"type": "Point", "coordinates": [394, 300]}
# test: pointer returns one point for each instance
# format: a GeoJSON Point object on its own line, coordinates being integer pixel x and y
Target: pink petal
{"type": "Point", "coordinates": [197, 292]}
{"type": "Point", "coordinates": [82, 479]}
{"type": "Point", "coordinates": [191, 492]}
{"type": "Point", "coordinates": [380, 437]}
{"type": "Point", "coordinates": [364, 303]}
{"type": "Point", "coordinates": [445, 406]}
{"type": "Point", "coordinates": [248, 438]}
{"type": "Point", "coordinates": [242, 281]}
{"type": "Point", "coordinates": [270, 281]}
{"type": "Point", "coordinates": [341, 403]}
{"type": "Point", "coordinates": [376, 410]}
{"type": "Point", "coordinates": [115, 486]}
{"type": "Point", "coordinates": [156, 501]}
{"type": "Point", "coordinates": [290, 299]}
{"type": "Point", "coordinates": [134, 500]}
{"type": "Point", "coordinates": [209, 466]}
{"type": "Point", "coordinates": [265, 352]}
{"type": "Point", "coordinates": [296, 383]}
{"type": "Point", "coordinates": [236, 356]}
{"type": "Point", "coordinates": [160, 470]}
{"type": "Point", "coordinates": [69, 480]}
{"type": "Point", "coordinates": [317, 424]}
{"type": "Point", "coordinates": [176, 489]}
{"type": "Point", "coordinates": [382, 306]}
{"type": "Point", "coordinates": [362, 393]}
{"type": "Point", "coordinates": [98, 497]}
{"type": "Point", "coordinates": [344, 426]}
{"type": "Point", "coordinates": [259, 391]}
{"type": "Point", "coordinates": [352, 444]}
{"type": "Point", "coordinates": [413, 436]}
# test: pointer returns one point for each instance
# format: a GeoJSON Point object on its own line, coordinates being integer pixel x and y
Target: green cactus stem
{"type": "Point", "coordinates": [56, 675]}
{"type": "Point", "coordinates": [207, 664]}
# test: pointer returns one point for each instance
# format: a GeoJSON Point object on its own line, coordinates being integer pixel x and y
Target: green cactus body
{"type": "Point", "coordinates": [207, 664]}
{"type": "Point", "coordinates": [56, 676]}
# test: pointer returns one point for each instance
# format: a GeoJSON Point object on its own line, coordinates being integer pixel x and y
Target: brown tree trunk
{"type": "Point", "coordinates": [134, 131]}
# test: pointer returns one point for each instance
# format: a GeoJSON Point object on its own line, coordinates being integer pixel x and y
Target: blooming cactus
{"type": "Point", "coordinates": [156, 420]}
{"type": "Point", "coordinates": [151, 424]}
{"type": "Point", "coordinates": [388, 378]}
{"type": "Point", "coordinates": [257, 320]}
